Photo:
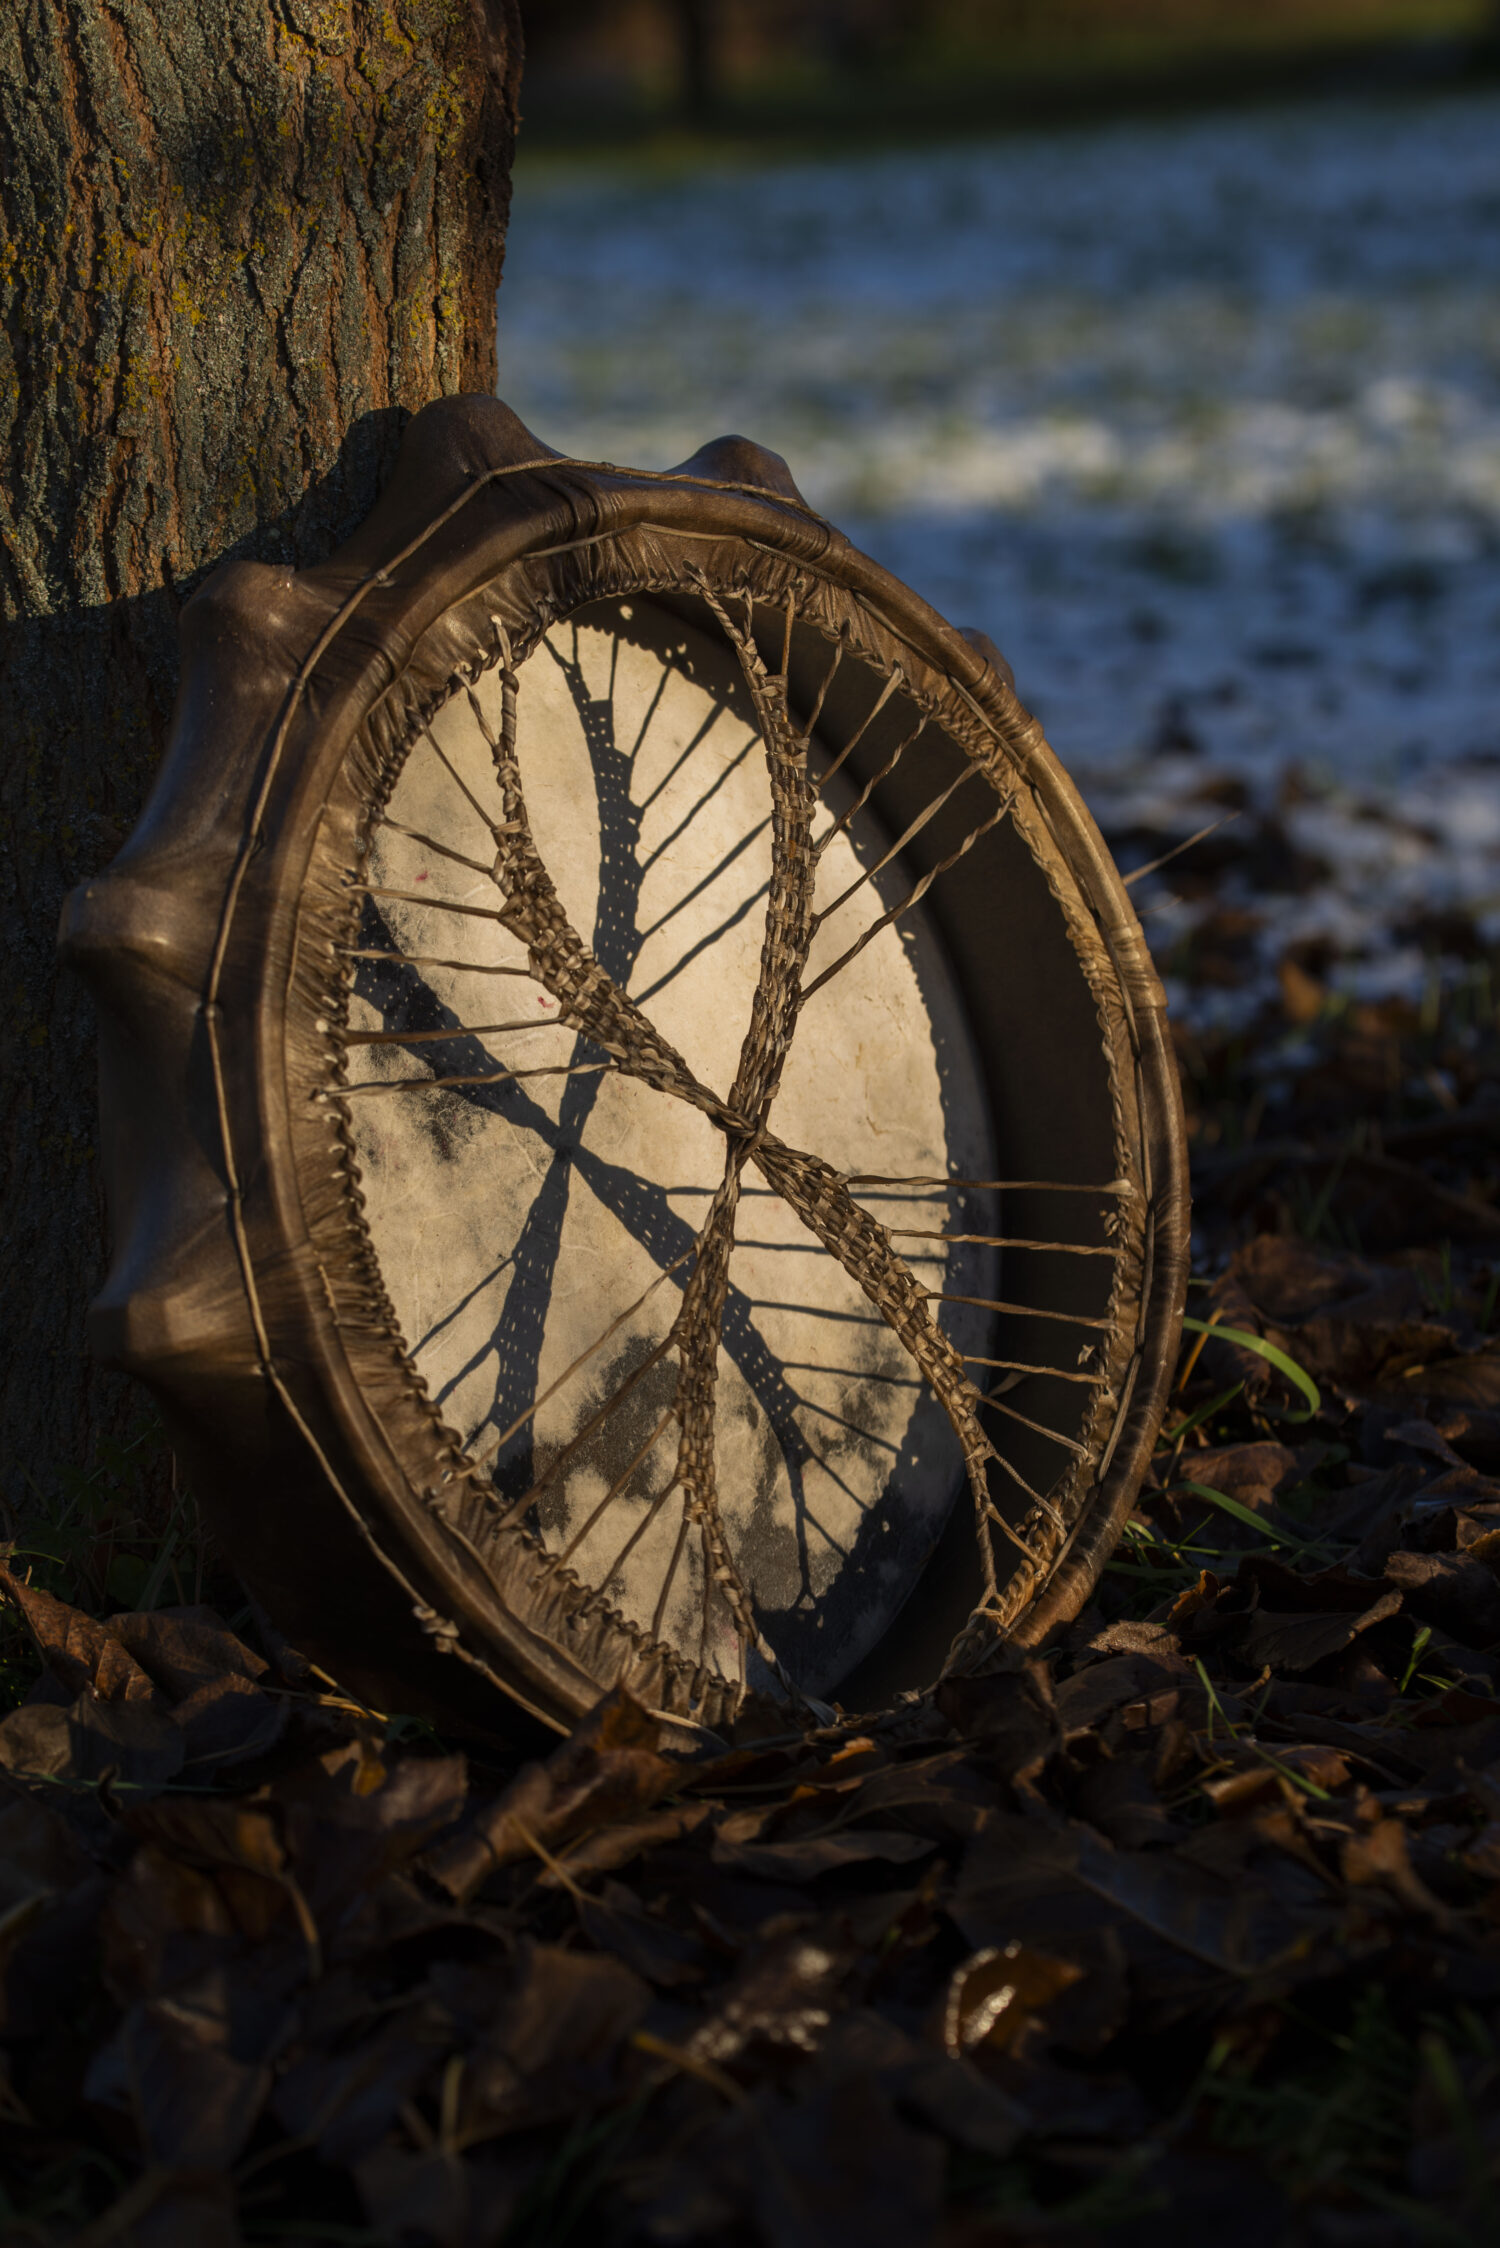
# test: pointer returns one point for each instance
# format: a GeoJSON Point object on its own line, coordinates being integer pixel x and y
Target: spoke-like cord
{"type": "Point", "coordinates": [1037, 1498]}
{"type": "Point", "coordinates": [928, 813]}
{"type": "Point", "coordinates": [476, 1077]}
{"type": "Point", "coordinates": [913, 897]}
{"type": "Point", "coordinates": [252, 837]}
{"type": "Point", "coordinates": [430, 960]}
{"type": "Point", "coordinates": [636, 1535]}
{"type": "Point", "coordinates": [874, 781]}
{"type": "Point", "coordinates": [697, 1332]}
{"type": "Point", "coordinates": [1029, 1311]}
{"type": "Point", "coordinates": [659, 1616]}
{"type": "Point", "coordinates": [862, 1246]}
{"type": "Point", "coordinates": [590, 1003]}
{"type": "Point", "coordinates": [619, 1483]}
{"type": "Point", "coordinates": [1019, 1366]}
{"type": "Point", "coordinates": [1005, 1240]}
{"type": "Point", "coordinates": [437, 905]}
{"type": "Point", "coordinates": [1008, 1186]}
{"type": "Point", "coordinates": [993, 1405]}
{"type": "Point", "coordinates": [560, 961]}
{"type": "Point", "coordinates": [767, 1041]}
{"type": "Point", "coordinates": [431, 843]}
{"type": "Point", "coordinates": [595, 1347]}
{"type": "Point", "coordinates": [479, 810]}
{"type": "Point", "coordinates": [809, 724]}
{"type": "Point", "coordinates": [897, 679]}
{"type": "Point", "coordinates": [595, 1421]}
{"type": "Point", "coordinates": [450, 1032]}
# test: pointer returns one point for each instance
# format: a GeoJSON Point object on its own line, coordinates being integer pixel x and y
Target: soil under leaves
{"type": "Point", "coordinates": [1189, 1925]}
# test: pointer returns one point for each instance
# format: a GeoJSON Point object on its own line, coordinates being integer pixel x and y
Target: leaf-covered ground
{"type": "Point", "coordinates": [1189, 1927]}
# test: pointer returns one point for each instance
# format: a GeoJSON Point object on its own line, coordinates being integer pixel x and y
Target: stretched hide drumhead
{"type": "Point", "coordinates": [534, 1229]}
{"type": "Point", "coordinates": [642, 1141]}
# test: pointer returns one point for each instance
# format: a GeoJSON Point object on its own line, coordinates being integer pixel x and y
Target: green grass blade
{"type": "Point", "coordinates": [1204, 1413]}
{"type": "Point", "coordinates": [1294, 1373]}
{"type": "Point", "coordinates": [1249, 1517]}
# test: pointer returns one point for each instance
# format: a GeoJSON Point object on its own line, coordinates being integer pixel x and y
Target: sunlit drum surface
{"type": "Point", "coordinates": [535, 1228]}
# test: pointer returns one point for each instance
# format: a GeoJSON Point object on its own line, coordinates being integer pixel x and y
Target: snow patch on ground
{"type": "Point", "coordinates": [1200, 419]}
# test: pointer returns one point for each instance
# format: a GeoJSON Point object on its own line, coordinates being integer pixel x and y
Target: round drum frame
{"type": "Point", "coordinates": [244, 1289]}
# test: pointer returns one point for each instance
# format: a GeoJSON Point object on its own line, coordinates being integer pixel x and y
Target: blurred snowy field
{"type": "Point", "coordinates": [1199, 419]}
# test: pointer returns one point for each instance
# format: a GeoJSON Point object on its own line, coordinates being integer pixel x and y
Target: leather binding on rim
{"type": "Point", "coordinates": [245, 1289]}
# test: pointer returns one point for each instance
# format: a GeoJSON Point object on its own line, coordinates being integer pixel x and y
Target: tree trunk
{"type": "Point", "coordinates": [240, 242]}
{"type": "Point", "coordinates": [698, 57]}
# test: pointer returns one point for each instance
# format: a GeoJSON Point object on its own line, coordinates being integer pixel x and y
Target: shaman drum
{"type": "Point", "coordinates": [638, 1123]}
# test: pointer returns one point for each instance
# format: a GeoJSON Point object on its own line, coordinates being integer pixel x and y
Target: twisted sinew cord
{"type": "Point", "coordinates": [593, 1349]}
{"type": "Point", "coordinates": [1021, 1366]}
{"type": "Point", "coordinates": [430, 960]}
{"type": "Point", "coordinates": [450, 1031]}
{"type": "Point", "coordinates": [467, 1077]}
{"type": "Point", "coordinates": [590, 1004]}
{"type": "Point", "coordinates": [1006, 1241]}
{"type": "Point", "coordinates": [934, 1183]}
{"type": "Point", "coordinates": [591, 1426]}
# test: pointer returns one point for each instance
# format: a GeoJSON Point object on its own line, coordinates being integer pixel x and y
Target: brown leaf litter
{"type": "Point", "coordinates": [1186, 1925]}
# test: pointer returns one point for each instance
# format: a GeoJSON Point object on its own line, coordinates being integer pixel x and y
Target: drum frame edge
{"type": "Point", "coordinates": [212, 1197]}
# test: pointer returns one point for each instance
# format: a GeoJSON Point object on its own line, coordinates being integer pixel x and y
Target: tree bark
{"type": "Point", "coordinates": [240, 242]}
{"type": "Point", "coordinates": [698, 56]}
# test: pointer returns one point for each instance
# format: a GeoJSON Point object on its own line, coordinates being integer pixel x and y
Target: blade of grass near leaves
{"type": "Point", "coordinates": [1294, 1373]}
{"type": "Point", "coordinates": [1245, 1514]}
{"type": "Point", "coordinates": [1204, 1413]}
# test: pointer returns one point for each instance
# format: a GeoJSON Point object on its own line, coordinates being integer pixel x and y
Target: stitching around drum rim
{"type": "Point", "coordinates": [403, 683]}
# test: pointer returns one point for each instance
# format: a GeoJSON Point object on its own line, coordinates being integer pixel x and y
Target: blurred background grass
{"type": "Point", "coordinates": [1161, 340]}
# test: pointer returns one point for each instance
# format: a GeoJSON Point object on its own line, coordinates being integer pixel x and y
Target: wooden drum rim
{"type": "Point", "coordinates": [319, 681]}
